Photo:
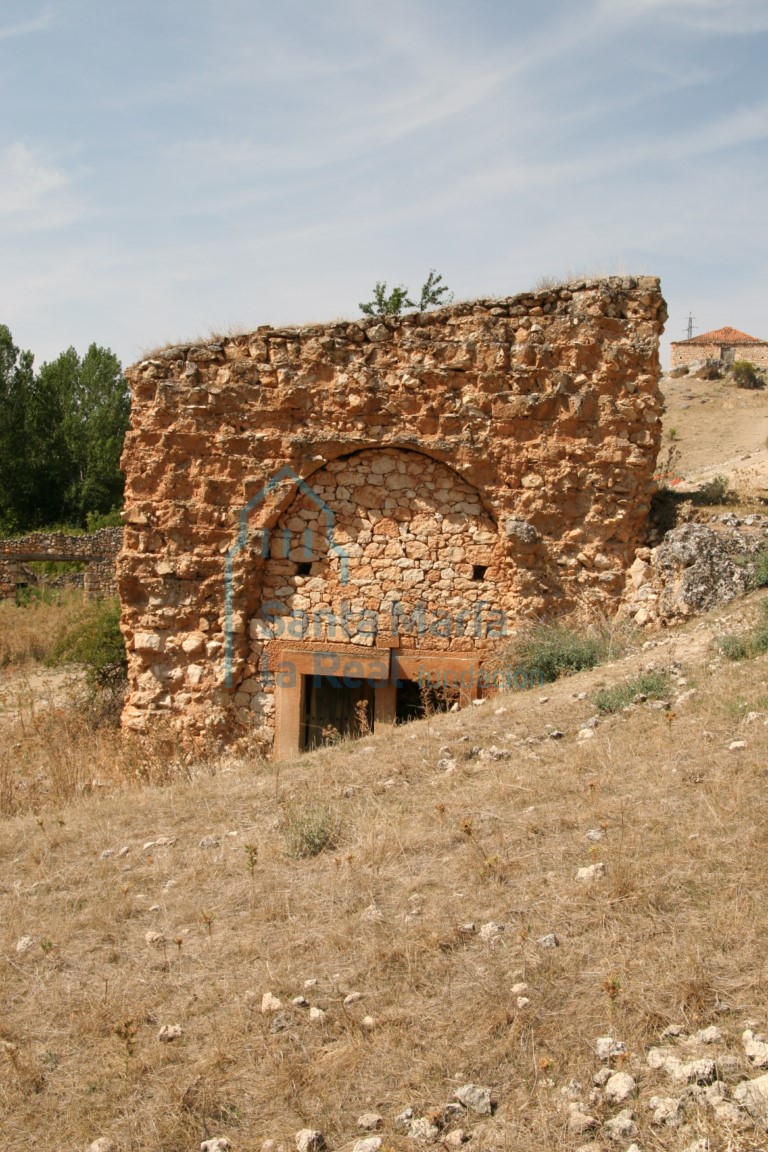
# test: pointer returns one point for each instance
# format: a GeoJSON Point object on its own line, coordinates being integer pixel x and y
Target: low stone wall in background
{"type": "Point", "coordinates": [98, 550]}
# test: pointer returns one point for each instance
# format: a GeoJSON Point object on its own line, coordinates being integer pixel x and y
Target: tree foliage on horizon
{"type": "Point", "coordinates": [61, 437]}
{"type": "Point", "coordinates": [433, 294]}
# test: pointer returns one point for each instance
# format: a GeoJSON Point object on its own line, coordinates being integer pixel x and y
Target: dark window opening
{"type": "Point", "coordinates": [304, 568]}
{"type": "Point", "coordinates": [414, 700]}
{"type": "Point", "coordinates": [479, 571]}
{"type": "Point", "coordinates": [332, 710]}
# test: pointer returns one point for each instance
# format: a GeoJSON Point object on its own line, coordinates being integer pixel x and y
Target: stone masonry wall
{"type": "Point", "coordinates": [98, 549]}
{"type": "Point", "coordinates": [490, 459]}
{"type": "Point", "coordinates": [687, 354]}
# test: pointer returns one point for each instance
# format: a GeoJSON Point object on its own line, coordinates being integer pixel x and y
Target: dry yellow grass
{"type": "Point", "coordinates": [29, 633]}
{"type": "Point", "coordinates": [194, 929]}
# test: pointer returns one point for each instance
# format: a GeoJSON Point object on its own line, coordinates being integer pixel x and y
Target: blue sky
{"type": "Point", "coordinates": [170, 169]}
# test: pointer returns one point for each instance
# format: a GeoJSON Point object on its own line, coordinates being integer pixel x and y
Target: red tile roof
{"type": "Point", "coordinates": [722, 336]}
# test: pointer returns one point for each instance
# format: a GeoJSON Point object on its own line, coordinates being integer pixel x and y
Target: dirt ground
{"type": "Point", "coordinates": [719, 430]}
{"type": "Point", "coordinates": [33, 689]}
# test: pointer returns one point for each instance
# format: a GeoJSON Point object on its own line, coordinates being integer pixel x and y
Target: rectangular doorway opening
{"type": "Point", "coordinates": [416, 699]}
{"type": "Point", "coordinates": [332, 709]}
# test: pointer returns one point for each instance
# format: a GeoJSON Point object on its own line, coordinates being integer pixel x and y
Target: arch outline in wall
{"type": "Point", "coordinates": [300, 485]}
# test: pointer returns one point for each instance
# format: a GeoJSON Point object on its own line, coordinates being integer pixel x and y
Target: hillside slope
{"type": "Point", "coordinates": [439, 939]}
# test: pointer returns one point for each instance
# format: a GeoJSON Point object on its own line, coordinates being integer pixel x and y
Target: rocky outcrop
{"type": "Point", "coordinates": [694, 568]}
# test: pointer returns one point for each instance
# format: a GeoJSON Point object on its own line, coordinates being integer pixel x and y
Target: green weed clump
{"type": "Point", "coordinates": [744, 645]}
{"type": "Point", "coordinates": [309, 828]}
{"type": "Point", "coordinates": [548, 651]}
{"type": "Point", "coordinates": [716, 491]}
{"type": "Point", "coordinates": [759, 575]}
{"type": "Point", "coordinates": [94, 640]}
{"type": "Point", "coordinates": [651, 685]}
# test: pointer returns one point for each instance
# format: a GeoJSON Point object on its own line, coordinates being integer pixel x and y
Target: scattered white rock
{"type": "Point", "coordinates": [103, 1144]}
{"type": "Point", "coordinates": [368, 1022]}
{"type": "Point", "coordinates": [672, 1031]}
{"type": "Point", "coordinates": [456, 1138]}
{"type": "Point", "coordinates": [170, 1032]}
{"type": "Point", "coordinates": [373, 914]}
{"type": "Point", "coordinates": [585, 734]}
{"type": "Point", "coordinates": [660, 1057]}
{"type": "Point", "coordinates": [309, 1140]}
{"type": "Point", "coordinates": [620, 1088]}
{"type": "Point", "coordinates": [595, 835]}
{"type": "Point", "coordinates": [519, 989]}
{"type": "Point", "coordinates": [316, 1015]}
{"type": "Point", "coordinates": [402, 1122]}
{"type": "Point", "coordinates": [601, 1077]}
{"type": "Point", "coordinates": [209, 842]}
{"type": "Point", "coordinates": [370, 1144]}
{"type": "Point", "coordinates": [447, 764]}
{"type": "Point", "coordinates": [491, 930]}
{"type": "Point", "coordinates": [711, 1035]}
{"type": "Point", "coordinates": [105, 855]}
{"type": "Point", "coordinates": [217, 1144]}
{"type": "Point", "coordinates": [475, 1098]}
{"type": "Point", "coordinates": [24, 944]}
{"type": "Point", "coordinates": [551, 940]}
{"type": "Point", "coordinates": [607, 1047]}
{"type": "Point", "coordinates": [695, 1072]}
{"type": "Point", "coordinates": [755, 1048]}
{"type": "Point", "coordinates": [701, 1145]}
{"type": "Point", "coordinates": [370, 1121]}
{"type": "Point", "coordinates": [753, 1095]}
{"type": "Point", "coordinates": [591, 873]}
{"type": "Point", "coordinates": [572, 1091]}
{"type": "Point", "coordinates": [580, 1122]}
{"type": "Point", "coordinates": [622, 1126]}
{"type": "Point", "coordinates": [270, 1003]}
{"type": "Point", "coordinates": [352, 998]}
{"type": "Point", "coordinates": [154, 938]}
{"type": "Point", "coordinates": [423, 1129]}
{"type": "Point", "coordinates": [523, 1002]}
{"type": "Point", "coordinates": [311, 983]}
{"type": "Point", "coordinates": [300, 1002]}
{"type": "Point", "coordinates": [492, 753]}
{"type": "Point", "coordinates": [666, 1110]}
{"type": "Point", "coordinates": [478, 703]}
{"type": "Point", "coordinates": [737, 745]}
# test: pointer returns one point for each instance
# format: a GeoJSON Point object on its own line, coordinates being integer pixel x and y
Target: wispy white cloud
{"type": "Point", "coordinates": [34, 192]}
{"type": "Point", "coordinates": [735, 17]}
{"type": "Point", "coordinates": [38, 24]}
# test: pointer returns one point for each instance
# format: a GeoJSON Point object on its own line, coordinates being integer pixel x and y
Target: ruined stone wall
{"type": "Point", "coordinates": [97, 549]}
{"type": "Point", "coordinates": [491, 459]}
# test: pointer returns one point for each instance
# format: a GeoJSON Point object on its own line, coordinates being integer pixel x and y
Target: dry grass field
{"type": "Point", "coordinates": [394, 895]}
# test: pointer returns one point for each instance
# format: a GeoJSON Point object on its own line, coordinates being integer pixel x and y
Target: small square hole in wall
{"type": "Point", "coordinates": [479, 571]}
{"type": "Point", "coordinates": [304, 568]}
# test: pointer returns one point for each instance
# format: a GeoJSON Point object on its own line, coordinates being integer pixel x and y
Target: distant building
{"type": "Point", "coordinates": [725, 344]}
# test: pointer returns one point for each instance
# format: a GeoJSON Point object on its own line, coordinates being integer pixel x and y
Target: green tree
{"type": "Point", "coordinates": [433, 294]}
{"type": "Point", "coordinates": [92, 397]}
{"type": "Point", "coordinates": [61, 436]}
{"type": "Point", "coordinates": [26, 438]}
